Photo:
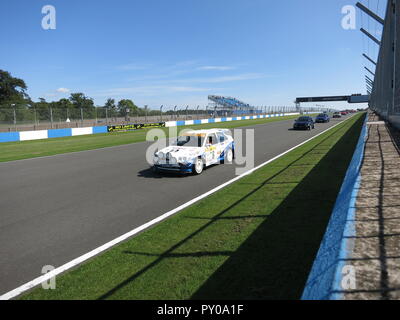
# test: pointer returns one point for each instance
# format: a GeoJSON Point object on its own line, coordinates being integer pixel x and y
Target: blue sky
{"type": "Point", "coordinates": [177, 52]}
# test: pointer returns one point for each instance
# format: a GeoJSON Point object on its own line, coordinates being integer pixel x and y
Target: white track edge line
{"type": "Point", "coordinates": [37, 281]}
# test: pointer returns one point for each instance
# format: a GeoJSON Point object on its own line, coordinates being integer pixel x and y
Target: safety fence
{"type": "Point", "coordinates": [22, 118]}
{"type": "Point", "coordinates": [385, 95]}
{"type": "Point", "coordinates": [69, 132]}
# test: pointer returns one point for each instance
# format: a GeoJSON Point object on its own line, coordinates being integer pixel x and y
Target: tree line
{"type": "Point", "coordinates": [16, 103]}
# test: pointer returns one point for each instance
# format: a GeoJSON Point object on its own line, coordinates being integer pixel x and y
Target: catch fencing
{"type": "Point", "coordinates": [22, 118]}
{"type": "Point", "coordinates": [385, 95]}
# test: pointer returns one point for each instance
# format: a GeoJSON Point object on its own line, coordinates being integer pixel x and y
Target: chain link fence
{"type": "Point", "coordinates": [385, 95]}
{"type": "Point", "coordinates": [22, 118]}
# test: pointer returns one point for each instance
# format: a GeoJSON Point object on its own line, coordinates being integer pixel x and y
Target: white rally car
{"type": "Point", "coordinates": [194, 150]}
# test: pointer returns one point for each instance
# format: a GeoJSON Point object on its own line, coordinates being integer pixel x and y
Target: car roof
{"type": "Point", "coordinates": [204, 132]}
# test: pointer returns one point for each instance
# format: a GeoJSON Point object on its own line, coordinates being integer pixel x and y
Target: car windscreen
{"type": "Point", "coordinates": [189, 141]}
{"type": "Point", "coordinates": [321, 115]}
{"type": "Point", "coordinates": [303, 119]}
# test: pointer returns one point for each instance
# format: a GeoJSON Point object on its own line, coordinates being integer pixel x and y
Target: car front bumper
{"type": "Point", "coordinates": [300, 126]}
{"type": "Point", "coordinates": [178, 168]}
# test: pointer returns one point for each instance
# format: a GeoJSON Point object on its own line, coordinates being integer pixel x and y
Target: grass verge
{"type": "Point", "coordinates": [38, 148]}
{"type": "Point", "coordinates": [255, 239]}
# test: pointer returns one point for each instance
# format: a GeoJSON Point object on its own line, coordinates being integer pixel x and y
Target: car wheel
{"type": "Point", "coordinates": [198, 166]}
{"type": "Point", "coordinates": [228, 156]}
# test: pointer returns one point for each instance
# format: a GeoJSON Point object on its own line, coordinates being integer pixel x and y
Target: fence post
{"type": "Point", "coordinates": [51, 117]}
{"type": "Point", "coordinates": [81, 116]}
{"type": "Point", "coordinates": [35, 118]}
{"type": "Point", "coordinates": [15, 118]}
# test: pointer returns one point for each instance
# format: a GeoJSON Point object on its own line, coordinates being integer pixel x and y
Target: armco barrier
{"type": "Point", "coordinates": [58, 133]}
{"type": "Point", "coordinates": [324, 281]}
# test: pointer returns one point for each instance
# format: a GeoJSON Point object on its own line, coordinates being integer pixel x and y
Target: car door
{"type": "Point", "coordinates": [211, 154]}
{"type": "Point", "coordinates": [223, 143]}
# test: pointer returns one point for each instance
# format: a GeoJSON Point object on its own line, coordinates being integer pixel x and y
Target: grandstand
{"type": "Point", "coordinates": [231, 106]}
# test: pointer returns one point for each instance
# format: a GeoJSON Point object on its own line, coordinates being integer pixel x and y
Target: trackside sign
{"type": "Point", "coordinates": [136, 126]}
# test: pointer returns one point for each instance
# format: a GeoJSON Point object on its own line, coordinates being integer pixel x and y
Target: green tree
{"type": "Point", "coordinates": [110, 104]}
{"type": "Point", "coordinates": [62, 109]}
{"type": "Point", "coordinates": [126, 106]}
{"type": "Point", "coordinates": [80, 101]}
{"type": "Point", "coordinates": [12, 90]}
{"type": "Point", "coordinates": [111, 107]}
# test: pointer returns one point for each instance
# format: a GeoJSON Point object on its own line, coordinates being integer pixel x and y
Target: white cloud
{"type": "Point", "coordinates": [63, 90]}
{"type": "Point", "coordinates": [238, 77]}
{"type": "Point", "coordinates": [216, 68]}
{"type": "Point", "coordinates": [151, 90]}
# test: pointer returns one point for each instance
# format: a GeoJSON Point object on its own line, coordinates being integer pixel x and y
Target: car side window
{"type": "Point", "coordinates": [221, 138]}
{"type": "Point", "coordinates": [212, 139]}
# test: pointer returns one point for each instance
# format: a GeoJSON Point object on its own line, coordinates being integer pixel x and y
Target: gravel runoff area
{"type": "Point", "coordinates": [376, 251]}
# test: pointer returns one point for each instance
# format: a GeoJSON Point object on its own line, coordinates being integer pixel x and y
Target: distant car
{"type": "Point", "coordinates": [322, 118]}
{"type": "Point", "coordinates": [343, 113]}
{"type": "Point", "coordinates": [304, 122]}
{"type": "Point", "coordinates": [337, 115]}
{"type": "Point", "coordinates": [194, 150]}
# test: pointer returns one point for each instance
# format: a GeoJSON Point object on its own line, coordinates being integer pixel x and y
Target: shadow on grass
{"type": "Point", "coordinates": [274, 262]}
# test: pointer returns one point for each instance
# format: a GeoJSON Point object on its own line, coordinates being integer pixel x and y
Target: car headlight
{"type": "Point", "coordinates": [173, 160]}
{"type": "Point", "coordinates": [161, 155]}
{"type": "Point", "coordinates": [183, 160]}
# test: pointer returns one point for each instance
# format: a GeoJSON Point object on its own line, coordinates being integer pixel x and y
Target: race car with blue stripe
{"type": "Point", "coordinates": [194, 150]}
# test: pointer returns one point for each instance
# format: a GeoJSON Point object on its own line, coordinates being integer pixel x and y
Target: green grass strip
{"type": "Point", "coordinates": [10, 151]}
{"type": "Point", "coordinates": [255, 239]}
